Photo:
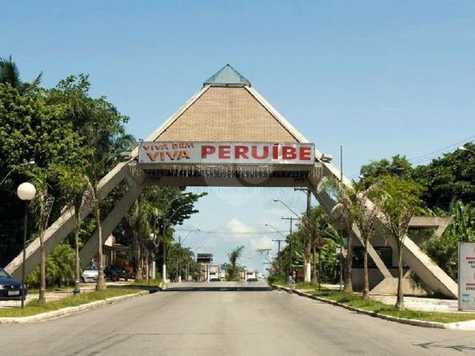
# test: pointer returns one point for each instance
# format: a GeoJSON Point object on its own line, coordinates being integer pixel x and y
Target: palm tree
{"type": "Point", "coordinates": [364, 213]}
{"type": "Point", "coordinates": [234, 256]}
{"type": "Point", "coordinates": [317, 227]}
{"type": "Point", "coordinates": [398, 199]}
{"type": "Point", "coordinates": [343, 207]}
{"type": "Point", "coordinates": [10, 74]}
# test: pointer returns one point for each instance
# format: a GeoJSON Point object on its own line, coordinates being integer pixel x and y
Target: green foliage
{"type": "Point", "coordinates": [180, 261]}
{"type": "Point", "coordinates": [70, 136]}
{"type": "Point", "coordinates": [32, 130]}
{"type": "Point", "coordinates": [59, 268]}
{"type": "Point", "coordinates": [444, 250]}
{"type": "Point", "coordinates": [398, 166]}
{"type": "Point", "coordinates": [323, 238]}
{"type": "Point", "coordinates": [377, 307]}
{"type": "Point", "coordinates": [9, 74]}
{"type": "Point", "coordinates": [29, 130]}
{"type": "Point", "coordinates": [449, 178]}
{"type": "Point", "coordinates": [399, 199]}
{"type": "Point", "coordinates": [34, 308]}
{"type": "Point", "coordinates": [233, 268]}
{"type": "Point", "coordinates": [149, 225]}
{"type": "Point", "coordinates": [445, 179]}
{"type": "Point", "coordinates": [170, 206]}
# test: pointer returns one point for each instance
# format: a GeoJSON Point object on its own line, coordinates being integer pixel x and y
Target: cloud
{"type": "Point", "coordinates": [263, 242]}
{"type": "Point", "coordinates": [239, 230]}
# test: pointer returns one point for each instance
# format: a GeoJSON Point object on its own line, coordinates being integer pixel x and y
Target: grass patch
{"type": "Point", "coordinates": [377, 307]}
{"type": "Point", "coordinates": [386, 309]}
{"type": "Point", "coordinates": [150, 283]}
{"type": "Point", "coordinates": [305, 286]}
{"type": "Point", "coordinates": [33, 308]}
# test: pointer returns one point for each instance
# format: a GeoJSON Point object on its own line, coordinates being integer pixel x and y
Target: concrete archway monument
{"type": "Point", "coordinates": [228, 135]}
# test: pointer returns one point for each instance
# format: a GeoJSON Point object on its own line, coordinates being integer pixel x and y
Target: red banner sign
{"type": "Point", "coordinates": [226, 153]}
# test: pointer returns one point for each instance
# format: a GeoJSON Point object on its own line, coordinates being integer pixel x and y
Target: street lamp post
{"type": "Point", "coordinates": [163, 229]}
{"type": "Point", "coordinates": [291, 220]}
{"type": "Point", "coordinates": [288, 207]}
{"type": "Point", "coordinates": [26, 192]}
{"type": "Point", "coordinates": [180, 241]}
{"type": "Point", "coordinates": [279, 241]}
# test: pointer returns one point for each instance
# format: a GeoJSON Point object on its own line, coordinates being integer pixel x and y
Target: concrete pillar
{"type": "Point", "coordinates": [164, 273]}
{"type": "Point", "coordinates": [154, 270]}
{"type": "Point", "coordinates": [308, 272]}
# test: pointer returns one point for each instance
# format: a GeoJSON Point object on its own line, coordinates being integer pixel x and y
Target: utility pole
{"type": "Point", "coordinates": [307, 249]}
{"type": "Point", "coordinates": [341, 164]}
{"type": "Point", "coordinates": [279, 241]}
{"type": "Point", "coordinates": [179, 259]}
{"type": "Point", "coordinates": [291, 221]}
{"type": "Point", "coordinates": [341, 248]}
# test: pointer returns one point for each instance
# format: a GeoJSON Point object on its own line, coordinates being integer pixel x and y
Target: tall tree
{"type": "Point", "coordinates": [73, 185]}
{"type": "Point", "coordinates": [397, 166]}
{"type": "Point", "coordinates": [449, 178]}
{"type": "Point", "coordinates": [398, 199]}
{"type": "Point", "coordinates": [43, 203]}
{"type": "Point", "coordinates": [158, 208]}
{"type": "Point", "coordinates": [344, 208]}
{"type": "Point", "coordinates": [233, 267]}
{"type": "Point", "coordinates": [364, 213]}
{"type": "Point", "coordinates": [313, 228]}
{"type": "Point", "coordinates": [9, 74]}
{"type": "Point", "coordinates": [101, 128]}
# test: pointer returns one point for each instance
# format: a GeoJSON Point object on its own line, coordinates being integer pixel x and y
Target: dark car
{"type": "Point", "coordinates": [115, 273]}
{"type": "Point", "coordinates": [10, 288]}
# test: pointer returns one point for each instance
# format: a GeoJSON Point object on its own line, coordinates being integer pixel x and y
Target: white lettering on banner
{"type": "Point", "coordinates": [466, 276]}
{"type": "Point", "coordinates": [226, 153]}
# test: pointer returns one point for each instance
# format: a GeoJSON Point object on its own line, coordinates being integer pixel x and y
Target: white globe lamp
{"type": "Point", "coordinates": [26, 191]}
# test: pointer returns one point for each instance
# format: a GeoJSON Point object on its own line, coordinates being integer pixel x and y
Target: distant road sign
{"type": "Point", "coordinates": [204, 257]}
{"type": "Point", "coordinates": [466, 276]}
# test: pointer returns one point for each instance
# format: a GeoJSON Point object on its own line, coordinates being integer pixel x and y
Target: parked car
{"type": "Point", "coordinates": [90, 274]}
{"type": "Point", "coordinates": [115, 273]}
{"type": "Point", "coordinates": [10, 288]}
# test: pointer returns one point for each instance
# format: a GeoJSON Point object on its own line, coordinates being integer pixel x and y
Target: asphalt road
{"type": "Point", "coordinates": [227, 323]}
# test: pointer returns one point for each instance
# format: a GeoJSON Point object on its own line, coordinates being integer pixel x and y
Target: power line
{"type": "Point", "coordinates": [264, 232]}
{"type": "Point", "coordinates": [427, 156]}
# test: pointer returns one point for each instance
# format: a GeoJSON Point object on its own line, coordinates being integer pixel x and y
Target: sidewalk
{"type": "Point", "coordinates": [59, 294]}
{"type": "Point", "coordinates": [412, 303]}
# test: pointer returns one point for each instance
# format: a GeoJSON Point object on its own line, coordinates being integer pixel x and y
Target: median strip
{"type": "Point", "coordinates": [458, 321]}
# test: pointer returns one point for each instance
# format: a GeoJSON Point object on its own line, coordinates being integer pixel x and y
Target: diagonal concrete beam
{"type": "Point", "coordinates": [433, 277]}
{"type": "Point", "coordinates": [328, 204]}
{"type": "Point", "coordinates": [121, 209]}
{"type": "Point", "coordinates": [64, 225]}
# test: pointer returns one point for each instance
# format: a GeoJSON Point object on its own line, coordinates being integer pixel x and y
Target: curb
{"type": "Point", "coordinates": [55, 314]}
{"type": "Point", "coordinates": [414, 322]}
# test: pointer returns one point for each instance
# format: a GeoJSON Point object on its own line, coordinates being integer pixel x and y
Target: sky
{"type": "Point", "coordinates": [378, 77]}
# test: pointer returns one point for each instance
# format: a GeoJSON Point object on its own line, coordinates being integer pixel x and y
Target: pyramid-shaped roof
{"type": "Point", "coordinates": [225, 111]}
{"type": "Point", "coordinates": [227, 76]}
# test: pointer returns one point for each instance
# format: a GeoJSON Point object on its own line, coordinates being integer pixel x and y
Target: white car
{"type": "Point", "coordinates": [251, 276]}
{"type": "Point", "coordinates": [90, 274]}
